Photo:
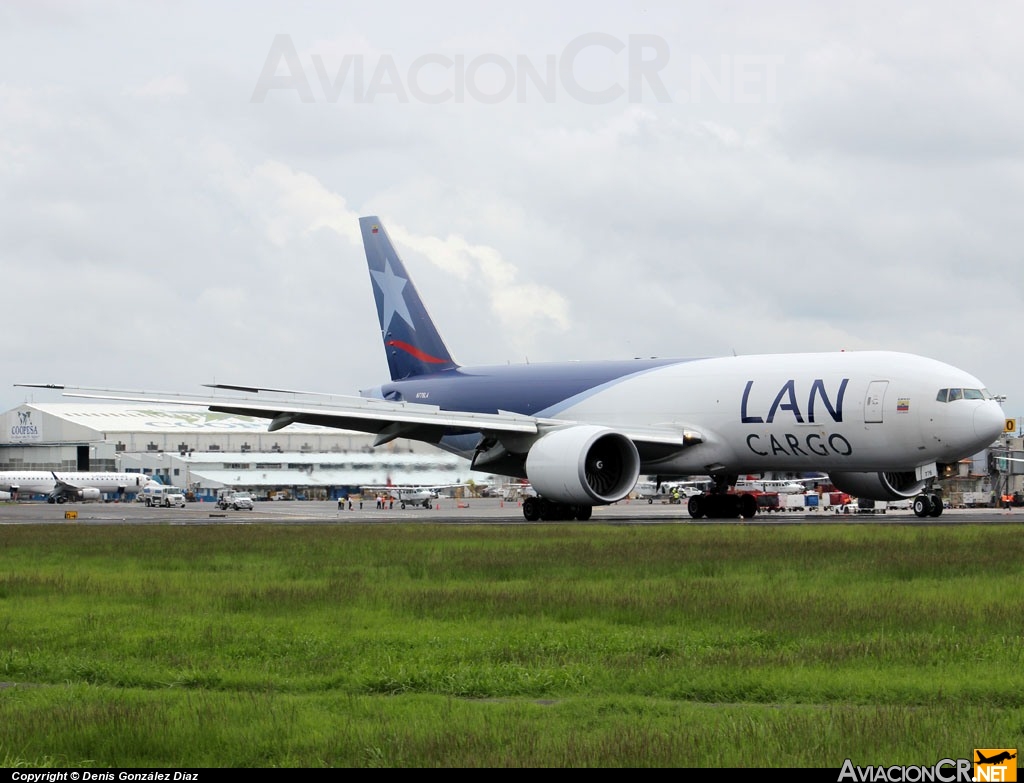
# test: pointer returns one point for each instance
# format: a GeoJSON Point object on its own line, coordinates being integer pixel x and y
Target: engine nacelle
{"type": "Point", "coordinates": [879, 486]}
{"type": "Point", "coordinates": [583, 465]}
{"type": "Point", "coordinates": [88, 493]}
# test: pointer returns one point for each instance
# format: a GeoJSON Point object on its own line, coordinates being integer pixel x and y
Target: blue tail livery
{"type": "Point", "coordinates": [411, 341]}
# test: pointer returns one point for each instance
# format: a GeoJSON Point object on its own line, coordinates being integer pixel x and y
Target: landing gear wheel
{"type": "Point", "coordinates": [531, 509]}
{"type": "Point", "coordinates": [748, 506]}
{"type": "Point", "coordinates": [923, 506]}
{"type": "Point", "coordinates": [936, 506]}
{"type": "Point", "coordinates": [403, 506]}
{"type": "Point", "coordinates": [696, 506]}
{"type": "Point", "coordinates": [583, 512]}
{"type": "Point", "coordinates": [730, 508]}
{"type": "Point", "coordinates": [428, 505]}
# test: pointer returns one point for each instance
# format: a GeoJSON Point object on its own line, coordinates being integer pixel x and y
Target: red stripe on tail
{"type": "Point", "coordinates": [423, 357]}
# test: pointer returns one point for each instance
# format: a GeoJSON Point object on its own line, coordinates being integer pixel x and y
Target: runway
{"type": "Point", "coordinates": [473, 511]}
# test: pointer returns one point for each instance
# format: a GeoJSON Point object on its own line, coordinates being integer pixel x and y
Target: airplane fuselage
{"type": "Point", "coordinates": [849, 411]}
{"type": "Point", "coordinates": [42, 482]}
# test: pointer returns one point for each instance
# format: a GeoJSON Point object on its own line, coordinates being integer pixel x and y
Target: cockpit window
{"type": "Point", "coordinates": [948, 395]}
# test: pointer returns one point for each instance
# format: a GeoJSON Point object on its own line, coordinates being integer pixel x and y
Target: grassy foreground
{"type": "Point", "coordinates": [551, 645]}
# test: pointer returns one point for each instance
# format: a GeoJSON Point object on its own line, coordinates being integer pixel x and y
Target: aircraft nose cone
{"type": "Point", "coordinates": [989, 421]}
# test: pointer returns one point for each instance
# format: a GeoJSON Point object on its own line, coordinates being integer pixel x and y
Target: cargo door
{"type": "Point", "coordinates": [874, 401]}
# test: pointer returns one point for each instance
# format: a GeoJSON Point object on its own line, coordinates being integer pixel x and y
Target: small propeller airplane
{"type": "Point", "coordinates": [412, 494]}
{"type": "Point", "coordinates": [517, 490]}
{"type": "Point", "coordinates": [673, 491]}
{"type": "Point", "coordinates": [781, 486]}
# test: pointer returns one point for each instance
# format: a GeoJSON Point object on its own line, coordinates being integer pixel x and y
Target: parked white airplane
{"type": "Point", "coordinates": [412, 495]}
{"type": "Point", "coordinates": [515, 491]}
{"type": "Point", "coordinates": [879, 423]}
{"type": "Point", "coordinates": [782, 486]}
{"type": "Point", "coordinates": [666, 490]}
{"type": "Point", "coordinates": [62, 487]}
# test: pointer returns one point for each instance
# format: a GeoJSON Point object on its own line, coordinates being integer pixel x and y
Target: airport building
{"type": "Point", "coordinates": [203, 452]}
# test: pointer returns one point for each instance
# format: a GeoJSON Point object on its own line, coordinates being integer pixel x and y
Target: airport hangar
{"type": "Point", "coordinates": [203, 452]}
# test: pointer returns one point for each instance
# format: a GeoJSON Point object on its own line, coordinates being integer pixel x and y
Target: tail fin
{"type": "Point", "coordinates": [411, 341]}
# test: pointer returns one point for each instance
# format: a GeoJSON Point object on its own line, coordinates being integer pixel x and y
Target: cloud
{"type": "Point", "coordinates": [164, 87]}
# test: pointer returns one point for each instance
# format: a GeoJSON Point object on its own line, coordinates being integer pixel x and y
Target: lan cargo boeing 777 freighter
{"type": "Point", "coordinates": [881, 424]}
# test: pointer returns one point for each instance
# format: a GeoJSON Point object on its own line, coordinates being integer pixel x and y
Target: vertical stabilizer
{"type": "Point", "coordinates": [411, 341]}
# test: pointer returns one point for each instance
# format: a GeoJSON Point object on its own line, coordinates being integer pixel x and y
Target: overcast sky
{"type": "Point", "coordinates": [181, 184]}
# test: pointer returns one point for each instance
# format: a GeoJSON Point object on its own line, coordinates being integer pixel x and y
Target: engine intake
{"type": "Point", "coordinates": [879, 486]}
{"type": "Point", "coordinates": [585, 464]}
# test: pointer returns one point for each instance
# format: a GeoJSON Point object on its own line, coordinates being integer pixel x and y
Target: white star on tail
{"type": "Point", "coordinates": [391, 289]}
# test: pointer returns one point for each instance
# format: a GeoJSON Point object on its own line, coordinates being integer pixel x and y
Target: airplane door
{"type": "Point", "coordinates": [873, 401]}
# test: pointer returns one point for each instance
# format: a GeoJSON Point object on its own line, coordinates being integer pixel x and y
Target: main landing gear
{"type": "Point", "coordinates": [722, 506]}
{"type": "Point", "coordinates": [535, 509]}
{"type": "Point", "coordinates": [719, 503]}
{"type": "Point", "coordinates": [928, 504]}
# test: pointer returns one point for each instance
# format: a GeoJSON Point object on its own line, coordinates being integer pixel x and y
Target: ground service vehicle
{"type": "Point", "coordinates": [236, 501]}
{"type": "Point", "coordinates": [165, 497]}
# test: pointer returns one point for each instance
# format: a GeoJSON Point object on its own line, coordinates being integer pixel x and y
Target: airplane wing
{"type": "Point", "coordinates": [386, 419]}
{"type": "Point", "coordinates": [61, 486]}
{"type": "Point", "coordinates": [69, 490]}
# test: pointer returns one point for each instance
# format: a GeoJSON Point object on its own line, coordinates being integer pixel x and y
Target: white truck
{"type": "Point", "coordinates": [236, 500]}
{"type": "Point", "coordinates": [164, 496]}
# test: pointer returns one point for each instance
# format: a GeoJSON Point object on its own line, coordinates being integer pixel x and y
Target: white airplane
{"type": "Point", "coordinates": [517, 490]}
{"type": "Point", "coordinates": [666, 490]}
{"type": "Point", "coordinates": [879, 423]}
{"type": "Point", "coordinates": [412, 495]}
{"type": "Point", "coordinates": [782, 486]}
{"type": "Point", "coordinates": [62, 487]}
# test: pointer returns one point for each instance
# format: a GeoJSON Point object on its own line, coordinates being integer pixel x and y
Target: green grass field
{"type": "Point", "coordinates": [550, 645]}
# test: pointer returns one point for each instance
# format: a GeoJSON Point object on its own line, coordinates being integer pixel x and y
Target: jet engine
{"type": "Point", "coordinates": [879, 486]}
{"type": "Point", "coordinates": [583, 465]}
{"type": "Point", "coordinates": [85, 493]}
